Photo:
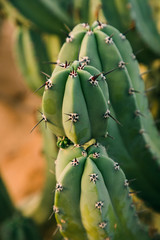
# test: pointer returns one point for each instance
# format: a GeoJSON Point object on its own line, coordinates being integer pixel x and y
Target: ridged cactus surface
{"type": "Point", "coordinates": [75, 102]}
{"type": "Point", "coordinates": [108, 50]}
{"type": "Point", "coordinates": [92, 197]}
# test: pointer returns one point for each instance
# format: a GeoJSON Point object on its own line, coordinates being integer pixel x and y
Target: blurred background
{"type": "Point", "coordinates": [21, 160]}
{"type": "Point", "coordinates": [23, 165]}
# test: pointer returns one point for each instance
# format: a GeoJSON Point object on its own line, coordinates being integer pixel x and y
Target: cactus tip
{"type": "Point", "coordinates": [42, 119]}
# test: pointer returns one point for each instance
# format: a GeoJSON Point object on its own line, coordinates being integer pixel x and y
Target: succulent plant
{"type": "Point", "coordinates": [92, 197]}
{"type": "Point", "coordinates": [75, 102]}
{"type": "Point", "coordinates": [95, 94]}
{"type": "Point", "coordinates": [105, 48]}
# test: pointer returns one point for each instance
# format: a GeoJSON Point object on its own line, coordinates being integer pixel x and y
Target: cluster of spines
{"type": "Point", "coordinates": [96, 79]}
{"type": "Point", "coordinates": [93, 80]}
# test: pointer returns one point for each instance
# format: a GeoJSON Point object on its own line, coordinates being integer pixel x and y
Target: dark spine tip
{"type": "Point", "coordinates": [36, 125]}
{"type": "Point", "coordinates": [42, 119]}
{"type": "Point", "coordinates": [39, 88]}
{"type": "Point", "coordinates": [112, 70]}
{"type": "Point", "coordinates": [132, 90]}
{"type": "Point", "coordinates": [45, 74]}
{"type": "Point", "coordinates": [96, 76]}
{"type": "Point", "coordinates": [138, 113]}
{"type": "Point", "coordinates": [134, 192]}
{"type": "Point", "coordinates": [115, 119]}
{"type": "Point", "coordinates": [128, 30]}
{"type": "Point", "coordinates": [108, 135]}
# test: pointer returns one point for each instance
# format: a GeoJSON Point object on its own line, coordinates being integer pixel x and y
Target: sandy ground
{"type": "Point", "coordinates": [21, 160]}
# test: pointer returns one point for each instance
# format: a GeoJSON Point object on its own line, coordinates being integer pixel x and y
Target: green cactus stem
{"type": "Point", "coordinates": [105, 48]}
{"type": "Point", "coordinates": [76, 105]}
{"type": "Point", "coordinates": [92, 197]}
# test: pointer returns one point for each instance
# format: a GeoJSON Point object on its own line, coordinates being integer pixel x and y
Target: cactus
{"type": "Point", "coordinates": [80, 102]}
{"type": "Point", "coordinates": [138, 136]}
{"type": "Point", "coordinates": [68, 106]}
{"type": "Point", "coordinates": [92, 199]}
